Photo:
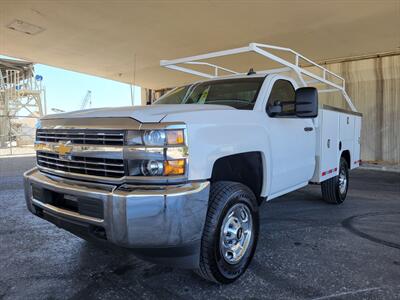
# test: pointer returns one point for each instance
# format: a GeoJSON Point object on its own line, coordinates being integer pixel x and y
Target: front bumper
{"type": "Point", "coordinates": [163, 223]}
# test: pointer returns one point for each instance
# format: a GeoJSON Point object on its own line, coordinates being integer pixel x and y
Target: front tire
{"type": "Point", "coordinates": [230, 232]}
{"type": "Point", "coordinates": [334, 190]}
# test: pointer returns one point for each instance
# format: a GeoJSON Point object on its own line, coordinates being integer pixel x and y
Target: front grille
{"type": "Point", "coordinates": [83, 165]}
{"type": "Point", "coordinates": [83, 137]}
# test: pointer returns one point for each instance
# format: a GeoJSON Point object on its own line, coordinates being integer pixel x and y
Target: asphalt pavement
{"type": "Point", "coordinates": [307, 250]}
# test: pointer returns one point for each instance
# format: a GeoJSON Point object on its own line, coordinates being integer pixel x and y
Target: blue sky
{"type": "Point", "coordinates": [65, 90]}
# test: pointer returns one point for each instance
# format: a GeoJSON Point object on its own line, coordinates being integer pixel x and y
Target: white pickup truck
{"type": "Point", "coordinates": [180, 181]}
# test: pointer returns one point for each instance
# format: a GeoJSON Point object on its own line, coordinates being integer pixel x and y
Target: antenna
{"type": "Point", "coordinates": [251, 72]}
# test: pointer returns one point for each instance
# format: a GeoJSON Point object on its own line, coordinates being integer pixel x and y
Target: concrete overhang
{"type": "Point", "coordinates": [106, 38]}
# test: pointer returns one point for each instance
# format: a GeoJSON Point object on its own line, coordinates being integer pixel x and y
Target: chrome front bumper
{"type": "Point", "coordinates": [140, 217]}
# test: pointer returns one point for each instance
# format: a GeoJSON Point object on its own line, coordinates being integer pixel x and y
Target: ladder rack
{"type": "Point", "coordinates": [264, 50]}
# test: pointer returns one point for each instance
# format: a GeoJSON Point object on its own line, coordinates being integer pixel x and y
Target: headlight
{"type": "Point", "coordinates": [156, 152]}
{"type": "Point", "coordinates": [157, 167]}
{"type": "Point", "coordinates": [157, 137]}
{"type": "Point", "coordinates": [152, 168]}
{"type": "Point", "coordinates": [154, 138]}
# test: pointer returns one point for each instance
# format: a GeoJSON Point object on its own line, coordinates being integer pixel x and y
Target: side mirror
{"type": "Point", "coordinates": [306, 102]}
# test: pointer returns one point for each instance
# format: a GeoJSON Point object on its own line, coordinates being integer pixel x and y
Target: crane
{"type": "Point", "coordinates": [87, 100]}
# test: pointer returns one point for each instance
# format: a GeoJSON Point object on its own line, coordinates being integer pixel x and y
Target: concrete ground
{"type": "Point", "coordinates": [307, 250]}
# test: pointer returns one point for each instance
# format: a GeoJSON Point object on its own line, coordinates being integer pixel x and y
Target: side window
{"type": "Point", "coordinates": [282, 91]}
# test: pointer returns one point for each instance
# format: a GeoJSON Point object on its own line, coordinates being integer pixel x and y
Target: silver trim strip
{"type": "Point", "coordinates": [98, 189]}
{"type": "Point", "coordinates": [117, 180]}
{"type": "Point", "coordinates": [45, 179]}
{"type": "Point", "coordinates": [81, 161]}
{"type": "Point", "coordinates": [151, 191]}
{"type": "Point", "coordinates": [77, 138]}
{"type": "Point", "coordinates": [79, 168]}
{"type": "Point", "coordinates": [103, 123]}
{"type": "Point", "coordinates": [106, 123]}
{"type": "Point", "coordinates": [51, 147]}
{"type": "Point", "coordinates": [56, 132]}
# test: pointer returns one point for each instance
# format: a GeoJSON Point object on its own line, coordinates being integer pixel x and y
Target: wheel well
{"type": "Point", "coordinates": [246, 168]}
{"type": "Point", "coordinates": [346, 156]}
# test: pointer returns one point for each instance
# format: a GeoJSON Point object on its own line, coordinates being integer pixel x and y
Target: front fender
{"type": "Point", "coordinates": [218, 134]}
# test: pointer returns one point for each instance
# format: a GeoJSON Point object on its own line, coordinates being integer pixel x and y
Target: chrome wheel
{"type": "Point", "coordinates": [236, 231]}
{"type": "Point", "coordinates": [342, 181]}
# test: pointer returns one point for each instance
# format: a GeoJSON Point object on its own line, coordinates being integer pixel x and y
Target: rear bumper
{"type": "Point", "coordinates": [162, 223]}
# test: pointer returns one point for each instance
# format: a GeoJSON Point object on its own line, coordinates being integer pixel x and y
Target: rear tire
{"type": "Point", "coordinates": [334, 190]}
{"type": "Point", "coordinates": [230, 232]}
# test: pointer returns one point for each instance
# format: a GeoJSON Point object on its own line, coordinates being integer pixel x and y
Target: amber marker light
{"type": "Point", "coordinates": [174, 167]}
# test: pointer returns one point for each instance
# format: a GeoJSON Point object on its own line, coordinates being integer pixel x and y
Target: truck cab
{"type": "Point", "coordinates": [180, 182]}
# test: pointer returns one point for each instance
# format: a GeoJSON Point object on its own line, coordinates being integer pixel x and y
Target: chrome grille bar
{"type": "Point", "coordinates": [83, 137]}
{"type": "Point", "coordinates": [84, 165]}
{"type": "Point", "coordinates": [75, 160]}
{"type": "Point", "coordinates": [73, 167]}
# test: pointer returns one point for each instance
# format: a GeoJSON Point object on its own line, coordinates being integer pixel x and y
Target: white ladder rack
{"type": "Point", "coordinates": [264, 50]}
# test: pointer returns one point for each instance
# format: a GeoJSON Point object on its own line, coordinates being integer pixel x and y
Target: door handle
{"type": "Point", "coordinates": [308, 128]}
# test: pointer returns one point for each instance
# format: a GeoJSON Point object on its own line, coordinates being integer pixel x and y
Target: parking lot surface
{"type": "Point", "coordinates": [307, 250]}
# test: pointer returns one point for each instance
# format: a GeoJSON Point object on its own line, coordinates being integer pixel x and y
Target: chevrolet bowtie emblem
{"type": "Point", "coordinates": [63, 148]}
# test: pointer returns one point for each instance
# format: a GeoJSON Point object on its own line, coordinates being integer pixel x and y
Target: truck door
{"type": "Point", "coordinates": [292, 141]}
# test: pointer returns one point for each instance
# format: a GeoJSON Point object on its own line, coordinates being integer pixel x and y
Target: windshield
{"type": "Point", "coordinates": [238, 93]}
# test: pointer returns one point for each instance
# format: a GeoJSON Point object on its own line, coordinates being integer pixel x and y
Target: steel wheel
{"type": "Point", "coordinates": [230, 232]}
{"type": "Point", "coordinates": [342, 181]}
{"type": "Point", "coordinates": [334, 190]}
{"type": "Point", "coordinates": [236, 232]}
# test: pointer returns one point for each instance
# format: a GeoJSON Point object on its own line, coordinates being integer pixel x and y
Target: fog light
{"type": "Point", "coordinates": [152, 168]}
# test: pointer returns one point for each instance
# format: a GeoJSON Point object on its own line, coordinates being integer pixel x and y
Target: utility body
{"type": "Point", "coordinates": [180, 181]}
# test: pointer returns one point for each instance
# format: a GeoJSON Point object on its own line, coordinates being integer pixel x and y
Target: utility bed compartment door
{"type": "Point", "coordinates": [337, 131]}
{"type": "Point", "coordinates": [347, 132]}
{"type": "Point", "coordinates": [346, 127]}
{"type": "Point", "coordinates": [329, 144]}
{"type": "Point", "coordinates": [356, 157]}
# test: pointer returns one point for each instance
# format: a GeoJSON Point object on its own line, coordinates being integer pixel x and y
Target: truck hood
{"type": "Point", "coordinates": [152, 113]}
